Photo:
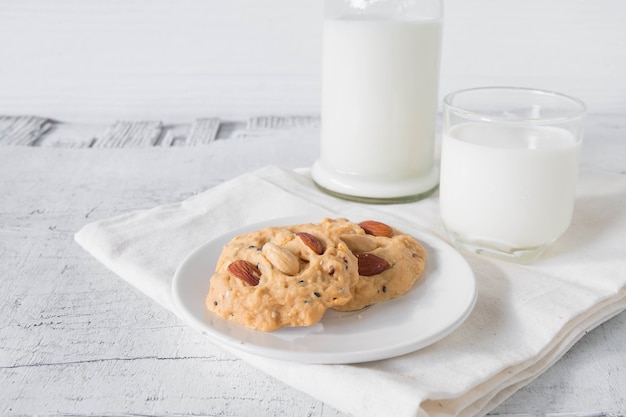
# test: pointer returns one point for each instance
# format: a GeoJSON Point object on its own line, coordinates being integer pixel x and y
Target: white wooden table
{"type": "Point", "coordinates": [76, 340]}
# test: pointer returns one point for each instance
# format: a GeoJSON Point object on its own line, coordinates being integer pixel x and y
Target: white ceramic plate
{"type": "Point", "coordinates": [438, 303]}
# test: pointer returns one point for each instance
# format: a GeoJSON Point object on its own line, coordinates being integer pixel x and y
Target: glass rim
{"type": "Point", "coordinates": [580, 112]}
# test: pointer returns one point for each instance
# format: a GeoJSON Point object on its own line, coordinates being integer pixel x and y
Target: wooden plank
{"type": "Point", "coordinates": [276, 125]}
{"type": "Point", "coordinates": [130, 134]}
{"type": "Point", "coordinates": [22, 130]}
{"type": "Point", "coordinates": [203, 132]}
{"type": "Point", "coordinates": [282, 122]}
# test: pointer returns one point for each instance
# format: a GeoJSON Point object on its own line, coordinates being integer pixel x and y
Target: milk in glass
{"type": "Point", "coordinates": [506, 185]}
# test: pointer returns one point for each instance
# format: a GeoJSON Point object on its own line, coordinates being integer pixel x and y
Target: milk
{"type": "Point", "coordinates": [510, 186]}
{"type": "Point", "coordinates": [379, 104]}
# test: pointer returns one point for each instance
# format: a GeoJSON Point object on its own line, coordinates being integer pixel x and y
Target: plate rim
{"type": "Point", "coordinates": [368, 355]}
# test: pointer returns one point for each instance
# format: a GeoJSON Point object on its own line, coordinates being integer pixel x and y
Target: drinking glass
{"type": "Point", "coordinates": [509, 167]}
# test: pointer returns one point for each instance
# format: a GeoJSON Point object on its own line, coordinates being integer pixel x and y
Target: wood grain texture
{"type": "Point", "coordinates": [37, 131]}
{"type": "Point", "coordinates": [177, 61]}
{"type": "Point", "coordinates": [22, 130]}
{"type": "Point", "coordinates": [76, 340]}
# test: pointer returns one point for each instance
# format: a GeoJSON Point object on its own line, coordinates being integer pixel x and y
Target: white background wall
{"type": "Point", "coordinates": [177, 60]}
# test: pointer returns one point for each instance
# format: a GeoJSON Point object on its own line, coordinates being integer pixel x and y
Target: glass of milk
{"type": "Point", "coordinates": [509, 166]}
{"type": "Point", "coordinates": [380, 77]}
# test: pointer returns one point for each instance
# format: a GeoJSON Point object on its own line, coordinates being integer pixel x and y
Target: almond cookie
{"type": "Point", "coordinates": [389, 261]}
{"type": "Point", "coordinates": [282, 276]}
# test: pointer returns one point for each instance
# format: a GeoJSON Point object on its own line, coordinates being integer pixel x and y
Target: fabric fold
{"type": "Point", "coordinates": [525, 319]}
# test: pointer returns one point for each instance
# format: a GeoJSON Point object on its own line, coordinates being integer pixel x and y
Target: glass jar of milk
{"type": "Point", "coordinates": [380, 77]}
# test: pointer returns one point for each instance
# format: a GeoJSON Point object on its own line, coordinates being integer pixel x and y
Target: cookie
{"type": "Point", "coordinates": [282, 276]}
{"type": "Point", "coordinates": [390, 262]}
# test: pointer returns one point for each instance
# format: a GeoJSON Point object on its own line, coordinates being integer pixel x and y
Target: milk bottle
{"type": "Point", "coordinates": [379, 101]}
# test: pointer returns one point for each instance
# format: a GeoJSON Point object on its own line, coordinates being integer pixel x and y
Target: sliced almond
{"type": "Point", "coordinates": [372, 227]}
{"type": "Point", "coordinates": [282, 259]}
{"type": "Point", "coordinates": [312, 242]}
{"type": "Point", "coordinates": [245, 271]}
{"type": "Point", "coordinates": [358, 243]}
{"type": "Point", "coordinates": [370, 264]}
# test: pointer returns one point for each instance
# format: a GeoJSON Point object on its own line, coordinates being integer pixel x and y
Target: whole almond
{"type": "Point", "coordinates": [282, 259]}
{"type": "Point", "coordinates": [358, 243]}
{"type": "Point", "coordinates": [370, 264]}
{"type": "Point", "coordinates": [372, 227]}
{"type": "Point", "coordinates": [312, 242]}
{"type": "Point", "coordinates": [245, 271]}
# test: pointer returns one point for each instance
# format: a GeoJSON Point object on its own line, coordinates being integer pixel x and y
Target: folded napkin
{"type": "Point", "coordinates": [525, 318]}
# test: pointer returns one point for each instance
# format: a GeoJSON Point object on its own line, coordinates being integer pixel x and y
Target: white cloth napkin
{"type": "Point", "coordinates": [525, 319]}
